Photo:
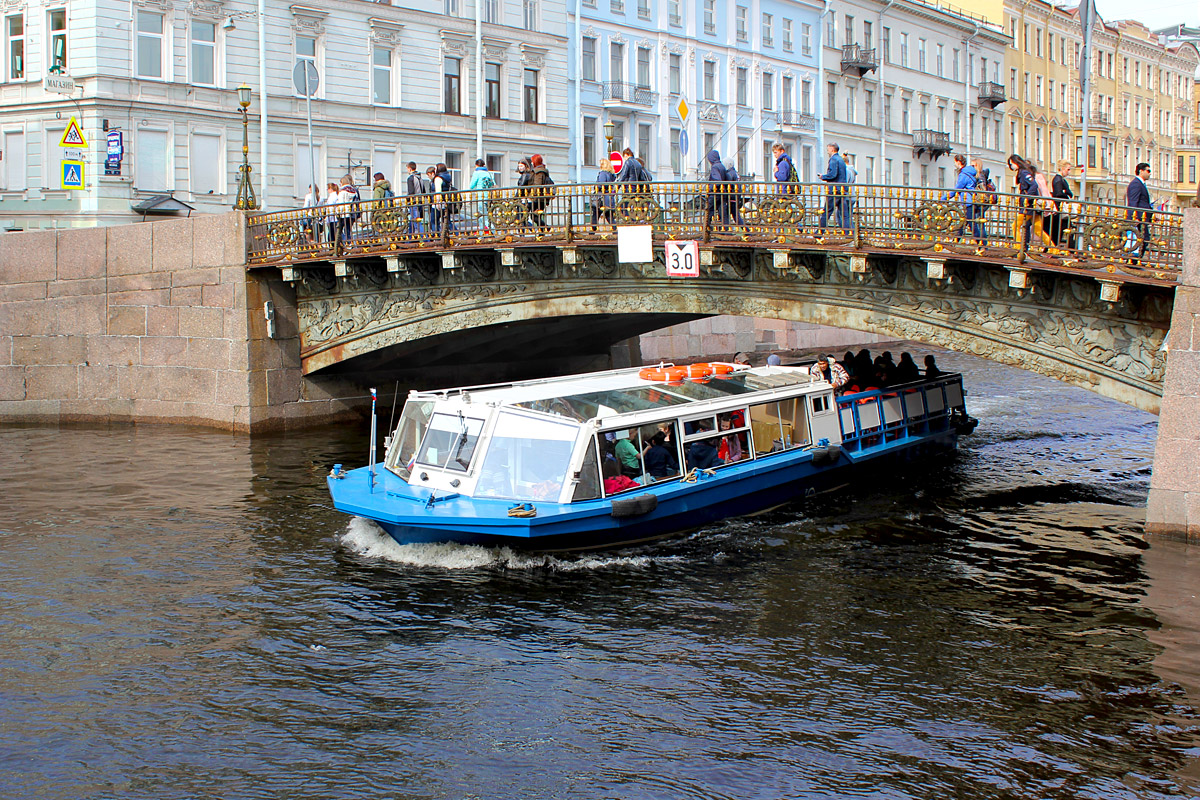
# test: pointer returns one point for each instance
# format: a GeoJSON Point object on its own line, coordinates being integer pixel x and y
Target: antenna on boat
{"type": "Point", "coordinates": [371, 457]}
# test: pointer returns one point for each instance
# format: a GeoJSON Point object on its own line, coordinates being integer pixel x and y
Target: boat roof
{"type": "Point", "coordinates": [603, 394]}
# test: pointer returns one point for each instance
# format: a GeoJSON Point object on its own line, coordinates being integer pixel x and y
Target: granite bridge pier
{"type": "Point", "coordinates": [269, 321]}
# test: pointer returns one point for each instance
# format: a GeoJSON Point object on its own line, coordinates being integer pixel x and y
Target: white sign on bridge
{"type": "Point", "coordinates": [683, 259]}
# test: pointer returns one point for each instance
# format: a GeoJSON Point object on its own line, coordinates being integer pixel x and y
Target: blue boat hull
{"type": "Point", "coordinates": [737, 490]}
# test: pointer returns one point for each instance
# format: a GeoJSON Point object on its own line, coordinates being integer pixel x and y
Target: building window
{"type": "Point", "coordinates": [152, 162]}
{"type": "Point", "coordinates": [453, 8]}
{"type": "Point", "coordinates": [306, 50]}
{"type": "Point", "coordinates": [768, 90]}
{"type": "Point", "coordinates": [676, 156]}
{"type": "Point", "coordinates": [785, 94]}
{"type": "Point", "coordinates": [831, 101]}
{"type": "Point", "coordinates": [850, 101]}
{"type": "Point", "coordinates": [921, 55]}
{"type": "Point", "coordinates": [768, 30]}
{"type": "Point", "coordinates": [149, 45]}
{"type": "Point", "coordinates": [806, 97]}
{"type": "Point", "coordinates": [616, 62]}
{"type": "Point", "coordinates": [491, 90]}
{"type": "Point", "coordinates": [531, 15]}
{"type": "Point", "coordinates": [868, 41]}
{"type": "Point", "coordinates": [743, 32]}
{"type": "Point", "coordinates": [589, 141]}
{"type": "Point", "coordinates": [848, 30]}
{"type": "Point", "coordinates": [14, 28]}
{"type": "Point", "coordinates": [205, 164]}
{"type": "Point", "coordinates": [740, 86]}
{"type": "Point", "coordinates": [787, 35]}
{"type": "Point", "coordinates": [868, 107]}
{"type": "Point", "coordinates": [381, 77]}
{"type": "Point", "coordinates": [831, 30]}
{"type": "Point", "coordinates": [710, 16]}
{"type": "Point", "coordinates": [644, 150]}
{"type": "Point", "coordinates": [940, 64]}
{"type": "Point", "coordinates": [904, 49]}
{"type": "Point", "coordinates": [12, 168]}
{"type": "Point", "coordinates": [491, 11]}
{"type": "Point", "coordinates": [204, 53]}
{"type": "Point", "coordinates": [617, 6]}
{"type": "Point", "coordinates": [710, 142]}
{"type": "Point", "coordinates": [905, 122]}
{"type": "Point", "coordinates": [452, 86]}
{"type": "Point", "coordinates": [530, 95]}
{"type": "Point", "coordinates": [806, 38]}
{"type": "Point", "coordinates": [675, 71]}
{"type": "Point", "coordinates": [710, 80]}
{"type": "Point", "coordinates": [643, 9]}
{"type": "Point", "coordinates": [643, 67]}
{"type": "Point", "coordinates": [673, 15]}
{"type": "Point", "coordinates": [589, 58]}
{"type": "Point", "coordinates": [58, 40]}
{"type": "Point", "coordinates": [905, 173]}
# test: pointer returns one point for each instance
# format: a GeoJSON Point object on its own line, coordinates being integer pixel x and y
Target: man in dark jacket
{"type": "Point", "coordinates": [540, 177]}
{"type": "Point", "coordinates": [1137, 197]}
{"type": "Point", "coordinates": [834, 175]}
{"type": "Point", "coordinates": [967, 179]}
{"type": "Point", "coordinates": [783, 166]}
{"type": "Point", "coordinates": [718, 195]}
{"type": "Point", "coordinates": [415, 187]}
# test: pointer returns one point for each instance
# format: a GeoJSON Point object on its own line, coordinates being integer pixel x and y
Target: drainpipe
{"type": "Point", "coordinates": [820, 90]}
{"type": "Point", "coordinates": [574, 123]}
{"type": "Point", "coordinates": [478, 85]}
{"type": "Point", "coordinates": [263, 195]}
{"type": "Point", "coordinates": [882, 95]}
{"type": "Point", "coordinates": [967, 86]}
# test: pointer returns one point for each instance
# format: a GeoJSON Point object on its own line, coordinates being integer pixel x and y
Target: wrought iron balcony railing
{"type": "Point", "coordinates": [801, 120]}
{"type": "Point", "coordinates": [619, 92]}
{"type": "Point", "coordinates": [931, 142]}
{"type": "Point", "coordinates": [858, 59]}
{"type": "Point", "coordinates": [991, 94]}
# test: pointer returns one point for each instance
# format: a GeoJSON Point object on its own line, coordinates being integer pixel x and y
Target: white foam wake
{"type": "Point", "coordinates": [367, 539]}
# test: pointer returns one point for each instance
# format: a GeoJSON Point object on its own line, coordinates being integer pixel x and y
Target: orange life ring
{"type": "Point", "coordinates": [700, 370]}
{"type": "Point", "coordinates": [720, 368]}
{"type": "Point", "coordinates": [662, 374]}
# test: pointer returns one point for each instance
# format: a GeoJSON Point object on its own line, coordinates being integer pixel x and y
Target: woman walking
{"type": "Point", "coordinates": [1030, 206]}
{"type": "Point", "coordinates": [603, 201]}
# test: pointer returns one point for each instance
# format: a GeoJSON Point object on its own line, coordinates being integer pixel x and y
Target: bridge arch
{"type": "Point", "coordinates": [1058, 325]}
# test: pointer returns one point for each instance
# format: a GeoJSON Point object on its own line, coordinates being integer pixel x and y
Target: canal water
{"type": "Point", "coordinates": [183, 616]}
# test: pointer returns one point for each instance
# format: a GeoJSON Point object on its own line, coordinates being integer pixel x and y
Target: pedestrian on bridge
{"type": "Point", "coordinates": [605, 199]}
{"type": "Point", "coordinates": [1030, 206]}
{"type": "Point", "coordinates": [481, 184]}
{"type": "Point", "coordinates": [415, 188]}
{"type": "Point", "coordinates": [1137, 197]}
{"type": "Point", "coordinates": [835, 175]}
{"type": "Point", "coordinates": [967, 178]}
{"type": "Point", "coordinates": [718, 193]}
{"type": "Point", "coordinates": [542, 192]}
{"type": "Point", "coordinates": [785, 170]}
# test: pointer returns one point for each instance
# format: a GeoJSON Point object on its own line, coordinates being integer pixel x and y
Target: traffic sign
{"type": "Point", "coordinates": [616, 159]}
{"type": "Point", "coordinates": [683, 259]}
{"type": "Point", "coordinates": [73, 135]}
{"type": "Point", "coordinates": [72, 174]}
{"type": "Point", "coordinates": [683, 142]}
{"type": "Point", "coordinates": [305, 78]}
{"type": "Point", "coordinates": [682, 109]}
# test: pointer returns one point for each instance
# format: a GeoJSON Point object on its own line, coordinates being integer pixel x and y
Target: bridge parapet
{"type": "Point", "coordinates": [1114, 244]}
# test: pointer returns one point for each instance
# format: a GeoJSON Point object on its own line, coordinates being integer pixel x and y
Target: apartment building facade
{"type": "Point", "coordinates": [154, 91]}
{"type": "Point", "coordinates": [677, 78]}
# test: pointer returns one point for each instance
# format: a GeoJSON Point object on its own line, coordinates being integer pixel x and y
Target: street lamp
{"type": "Point", "coordinates": [609, 130]}
{"type": "Point", "coordinates": [245, 194]}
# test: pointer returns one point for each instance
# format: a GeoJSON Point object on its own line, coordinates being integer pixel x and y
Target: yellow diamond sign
{"type": "Point", "coordinates": [682, 110]}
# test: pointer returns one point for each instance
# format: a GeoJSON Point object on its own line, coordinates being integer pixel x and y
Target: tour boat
{"type": "Point", "coordinates": [630, 455]}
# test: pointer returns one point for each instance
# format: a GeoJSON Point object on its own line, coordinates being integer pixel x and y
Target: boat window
{"type": "Point", "coordinates": [637, 456]}
{"type": "Point", "coordinates": [414, 419]}
{"type": "Point", "coordinates": [527, 458]}
{"type": "Point", "coordinates": [450, 441]}
{"type": "Point", "coordinates": [820, 403]}
{"type": "Point", "coordinates": [588, 486]}
{"type": "Point", "coordinates": [776, 426]}
{"type": "Point", "coordinates": [709, 446]}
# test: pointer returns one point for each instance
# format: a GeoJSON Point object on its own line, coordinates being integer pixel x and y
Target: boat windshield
{"type": "Point", "coordinates": [527, 458]}
{"type": "Point", "coordinates": [662, 395]}
{"type": "Point", "coordinates": [414, 419]}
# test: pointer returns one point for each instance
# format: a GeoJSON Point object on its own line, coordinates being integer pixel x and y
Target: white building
{"type": "Point", "coordinates": [401, 80]}
{"type": "Point", "coordinates": [906, 84]}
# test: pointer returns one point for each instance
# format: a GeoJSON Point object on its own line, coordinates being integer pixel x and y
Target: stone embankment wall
{"type": "Point", "coordinates": [1174, 505]}
{"type": "Point", "coordinates": [153, 322]}
{"type": "Point", "coordinates": [726, 336]}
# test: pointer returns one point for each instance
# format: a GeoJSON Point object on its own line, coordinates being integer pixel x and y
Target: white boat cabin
{"type": "Point", "coordinates": [557, 439]}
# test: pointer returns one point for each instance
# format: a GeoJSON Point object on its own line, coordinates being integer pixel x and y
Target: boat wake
{"type": "Point", "coordinates": [364, 538]}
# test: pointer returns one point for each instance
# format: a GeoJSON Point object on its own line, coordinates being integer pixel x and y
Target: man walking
{"type": "Point", "coordinates": [967, 178]}
{"type": "Point", "coordinates": [834, 175]}
{"type": "Point", "coordinates": [785, 170]}
{"type": "Point", "coordinates": [1137, 197]}
{"type": "Point", "coordinates": [414, 187]}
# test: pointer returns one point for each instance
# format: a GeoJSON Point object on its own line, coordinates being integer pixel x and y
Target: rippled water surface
{"type": "Point", "coordinates": [183, 616]}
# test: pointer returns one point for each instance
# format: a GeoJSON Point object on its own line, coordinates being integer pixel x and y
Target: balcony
{"type": "Point", "coordinates": [1098, 121]}
{"type": "Point", "coordinates": [991, 94]}
{"type": "Point", "coordinates": [930, 142]}
{"type": "Point", "coordinates": [798, 120]}
{"type": "Point", "coordinates": [858, 61]}
{"type": "Point", "coordinates": [1187, 141]}
{"type": "Point", "coordinates": [619, 93]}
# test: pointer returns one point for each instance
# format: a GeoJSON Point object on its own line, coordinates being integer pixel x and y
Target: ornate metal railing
{"type": "Point", "coordinates": [622, 92]}
{"type": "Point", "coordinates": [1022, 232]}
{"type": "Point", "coordinates": [991, 94]}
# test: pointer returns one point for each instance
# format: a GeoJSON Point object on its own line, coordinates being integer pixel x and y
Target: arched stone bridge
{"type": "Point", "coordinates": [522, 278]}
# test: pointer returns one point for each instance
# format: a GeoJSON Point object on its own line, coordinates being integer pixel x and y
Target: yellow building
{"type": "Point", "coordinates": [1141, 98]}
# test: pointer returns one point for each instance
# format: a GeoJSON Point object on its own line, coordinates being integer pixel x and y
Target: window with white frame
{"type": "Point", "coordinates": [616, 62]}
{"type": "Point", "coordinates": [589, 58]}
{"type": "Point", "coordinates": [202, 52]}
{"type": "Point", "coordinates": [805, 38]}
{"type": "Point", "coordinates": [806, 97]}
{"type": "Point", "coordinates": [740, 86]}
{"type": "Point", "coordinates": [645, 151]}
{"type": "Point", "coordinates": [643, 9]}
{"type": "Point", "coordinates": [785, 94]}
{"type": "Point", "coordinates": [149, 44]}
{"type": "Point", "coordinates": [643, 67]}
{"type": "Point", "coordinates": [491, 89]}
{"type": "Point", "coordinates": [675, 73]}
{"type": "Point", "coordinates": [303, 166]}
{"type": "Point", "coordinates": [710, 16]}
{"type": "Point", "coordinates": [452, 85]}
{"type": "Point", "coordinates": [787, 35]}
{"type": "Point", "coordinates": [589, 141]}
{"type": "Point", "coordinates": [531, 16]}
{"type": "Point", "coordinates": [12, 168]}
{"type": "Point", "coordinates": [14, 33]}
{"type": "Point", "coordinates": [674, 17]}
{"type": "Point", "coordinates": [491, 11]}
{"type": "Point", "coordinates": [676, 154]}
{"type": "Point", "coordinates": [206, 163]}
{"type": "Point", "coordinates": [453, 8]}
{"type": "Point", "coordinates": [710, 80]}
{"type": "Point", "coordinates": [530, 95]}
{"type": "Point", "coordinates": [381, 76]}
{"type": "Point", "coordinates": [383, 159]}
{"type": "Point", "coordinates": [306, 50]}
{"type": "Point", "coordinates": [831, 29]}
{"type": "Point", "coordinates": [768, 30]}
{"type": "Point", "coordinates": [152, 160]}
{"type": "Point", "coordinates": [743, 25]}
{"type": "Point", "coordinates": [57, 23]}
{"type": "Point", "coordinates": [768, 90]}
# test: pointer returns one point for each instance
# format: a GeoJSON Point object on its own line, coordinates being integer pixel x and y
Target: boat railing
{"type": "Point", "coordinates": [877, 417]}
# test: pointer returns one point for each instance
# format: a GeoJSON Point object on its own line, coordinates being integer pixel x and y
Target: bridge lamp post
{"type": "Point", "coordinates": [245, 194]}
{"type": "Point", "coordinates": [609, 130]}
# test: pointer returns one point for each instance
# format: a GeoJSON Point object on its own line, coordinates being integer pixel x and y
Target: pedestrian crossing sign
{"type": "Point", "coordinates": [73, 135]}
{"type": "Point", "coordinates": [72, 174]}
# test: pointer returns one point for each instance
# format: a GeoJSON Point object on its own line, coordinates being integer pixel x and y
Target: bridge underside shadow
{"type": "Point", "coordinates": [532, 348]}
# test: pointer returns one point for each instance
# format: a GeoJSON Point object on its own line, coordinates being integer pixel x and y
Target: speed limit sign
{"type": "Point", "coordinates": [683, 259]}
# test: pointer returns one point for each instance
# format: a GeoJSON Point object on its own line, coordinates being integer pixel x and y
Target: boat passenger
{"type": "Point", "coordinates": [627, 456]}
{"type": "Point", "coordinates": [614, 481]}
{"type": "Point", "coordinates": [931, 367]}
{"type": "Point", "coordinates": [731, 446]}
{"type": "Point", "coordinates": [660, 460]}
{"type": "Point", "coordinates": [742, 358]}
{"type": "Point", "coordinates": [827, 369]}
{"type": "Point", "coordinates": [906, 370]}
{"type": "Point", "coordinates": [702, 454]}
{"type": "Point", "coordinates": [848, 364]}
{"type": "Point", "coordinates": [774, 360]}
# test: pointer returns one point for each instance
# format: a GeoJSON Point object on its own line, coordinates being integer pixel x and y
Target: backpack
{"type": "Point", "coordinates": [793, 176]}
{"type": "Point", "coordinates": [988, 196]}
{"type": "Point", "coordinates": [355, 208]}
{"type": "Point", "coordinates": [388, 193]}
